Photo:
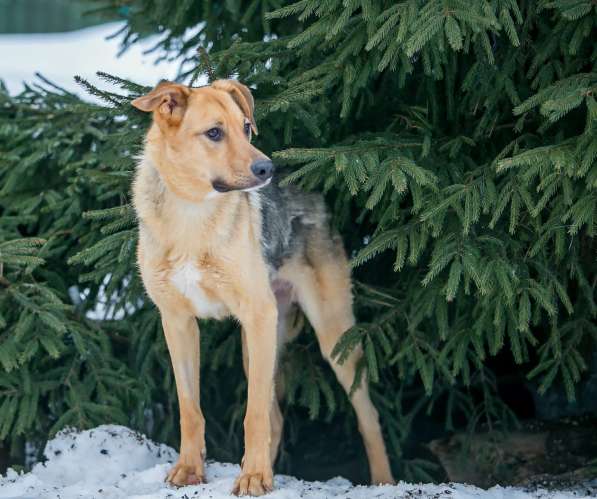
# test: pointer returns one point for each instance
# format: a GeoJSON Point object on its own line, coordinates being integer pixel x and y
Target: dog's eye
{"type": "Point", "coordinates": [248, 129]}
{"type": "Point", "coordinates": [215, 134]}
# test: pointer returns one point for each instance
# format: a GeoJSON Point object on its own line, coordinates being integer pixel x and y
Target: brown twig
{"type": "Point", "coordinates": [206, 63]}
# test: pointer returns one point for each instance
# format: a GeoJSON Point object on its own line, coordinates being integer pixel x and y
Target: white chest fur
{"type": "Point", "coordinates": [186, 278]}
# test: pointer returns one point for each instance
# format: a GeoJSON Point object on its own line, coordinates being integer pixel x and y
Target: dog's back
{"type": "Point", "coordinates": [293, 224]}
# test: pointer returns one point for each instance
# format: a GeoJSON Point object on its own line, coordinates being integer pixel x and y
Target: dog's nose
{"type": "Point", "coordinates": [263, 169]}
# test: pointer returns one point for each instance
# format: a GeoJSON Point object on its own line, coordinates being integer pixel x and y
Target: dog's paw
{"type": "Point", "coordinates": [183, 474]}
{"type": "Point", "coordinates": [383, 479]}
{"type": "Point", "coordinates": [253, 484]}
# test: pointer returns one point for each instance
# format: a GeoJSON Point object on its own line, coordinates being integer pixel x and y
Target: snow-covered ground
{"type": "Point", "coordinates": [114, 462]}
{"type": "Point", "coordinates": [61, 56]}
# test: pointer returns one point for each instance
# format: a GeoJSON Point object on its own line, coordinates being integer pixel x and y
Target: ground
{"type": "Point", "coordinates": [114, 462]}
{"type": "Point", "coordinates": [59, 56]}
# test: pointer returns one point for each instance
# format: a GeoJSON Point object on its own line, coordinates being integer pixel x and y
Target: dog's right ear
{"type": "Point", "coordinates": [168, 100]}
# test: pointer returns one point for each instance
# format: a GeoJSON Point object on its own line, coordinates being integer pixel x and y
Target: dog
{"type": "Point", "coordinates": [217, 237]}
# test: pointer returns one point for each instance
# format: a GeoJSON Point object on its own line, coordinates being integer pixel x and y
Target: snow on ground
{"type": "Point", "coordinates": [113, 462]}
{"type": "Point", "coordinates": [61, 56]}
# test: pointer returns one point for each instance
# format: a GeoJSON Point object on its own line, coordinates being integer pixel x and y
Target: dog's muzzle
{"type": "Point", "coordinates": [263, 169]}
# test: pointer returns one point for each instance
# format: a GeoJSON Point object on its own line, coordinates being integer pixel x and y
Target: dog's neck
{"type": "Point", "coordinates": [169, 217]}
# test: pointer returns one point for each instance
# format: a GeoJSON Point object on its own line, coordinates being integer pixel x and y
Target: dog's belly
{"type": "Point", "coordinates": [283, 291]}
{"type": "Point", "coordinates": [186, 278]}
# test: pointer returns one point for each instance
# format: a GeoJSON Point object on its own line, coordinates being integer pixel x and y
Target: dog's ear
{"type": "Point", "coordinates": [241, 95]}
{"type": "Point", "coordinates": [168, 99]}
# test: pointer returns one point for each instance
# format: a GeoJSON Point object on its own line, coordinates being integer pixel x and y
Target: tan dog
{"type": "Point", "coordinates": [216, 238]}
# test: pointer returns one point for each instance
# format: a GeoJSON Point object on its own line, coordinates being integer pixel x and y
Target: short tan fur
{"type": "Point", "coordinates": [200, 255]}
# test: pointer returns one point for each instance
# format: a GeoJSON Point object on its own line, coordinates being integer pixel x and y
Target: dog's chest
{"type": "Point", "coordinates": [187, 279]}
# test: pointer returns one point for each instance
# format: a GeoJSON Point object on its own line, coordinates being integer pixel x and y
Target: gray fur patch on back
{"type": "Point", "coordinates": [288, 215]}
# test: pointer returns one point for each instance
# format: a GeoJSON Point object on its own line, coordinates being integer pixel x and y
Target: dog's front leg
{"type": "Point", "coordinates": [182, 337]}
{"type": "Point", "coordinates": [259, 322]}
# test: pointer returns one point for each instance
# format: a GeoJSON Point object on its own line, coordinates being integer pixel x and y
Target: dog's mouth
{"type": "Point", "coordinates": [220, 186]}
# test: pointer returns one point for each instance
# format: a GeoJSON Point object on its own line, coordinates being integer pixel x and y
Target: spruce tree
{"type": "Point", "coordinates": [456, 144]}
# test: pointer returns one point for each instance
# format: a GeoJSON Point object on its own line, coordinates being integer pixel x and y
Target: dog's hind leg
{"type": "Point", "coordinates": [322, 284]}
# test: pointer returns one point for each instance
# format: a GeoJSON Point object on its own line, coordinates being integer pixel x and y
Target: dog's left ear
{"type": "Point", "coordinates": [241, 95]}
{"type": "Point", "coordinates": [168, 100]}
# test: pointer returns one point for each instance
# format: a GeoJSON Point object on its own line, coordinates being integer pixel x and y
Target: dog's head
{"type": "Point", "coordinates": [200, 140]}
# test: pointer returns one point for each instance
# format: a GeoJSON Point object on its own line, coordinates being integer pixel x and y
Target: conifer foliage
{"type": "Point", "coordinates": [456, 143]}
